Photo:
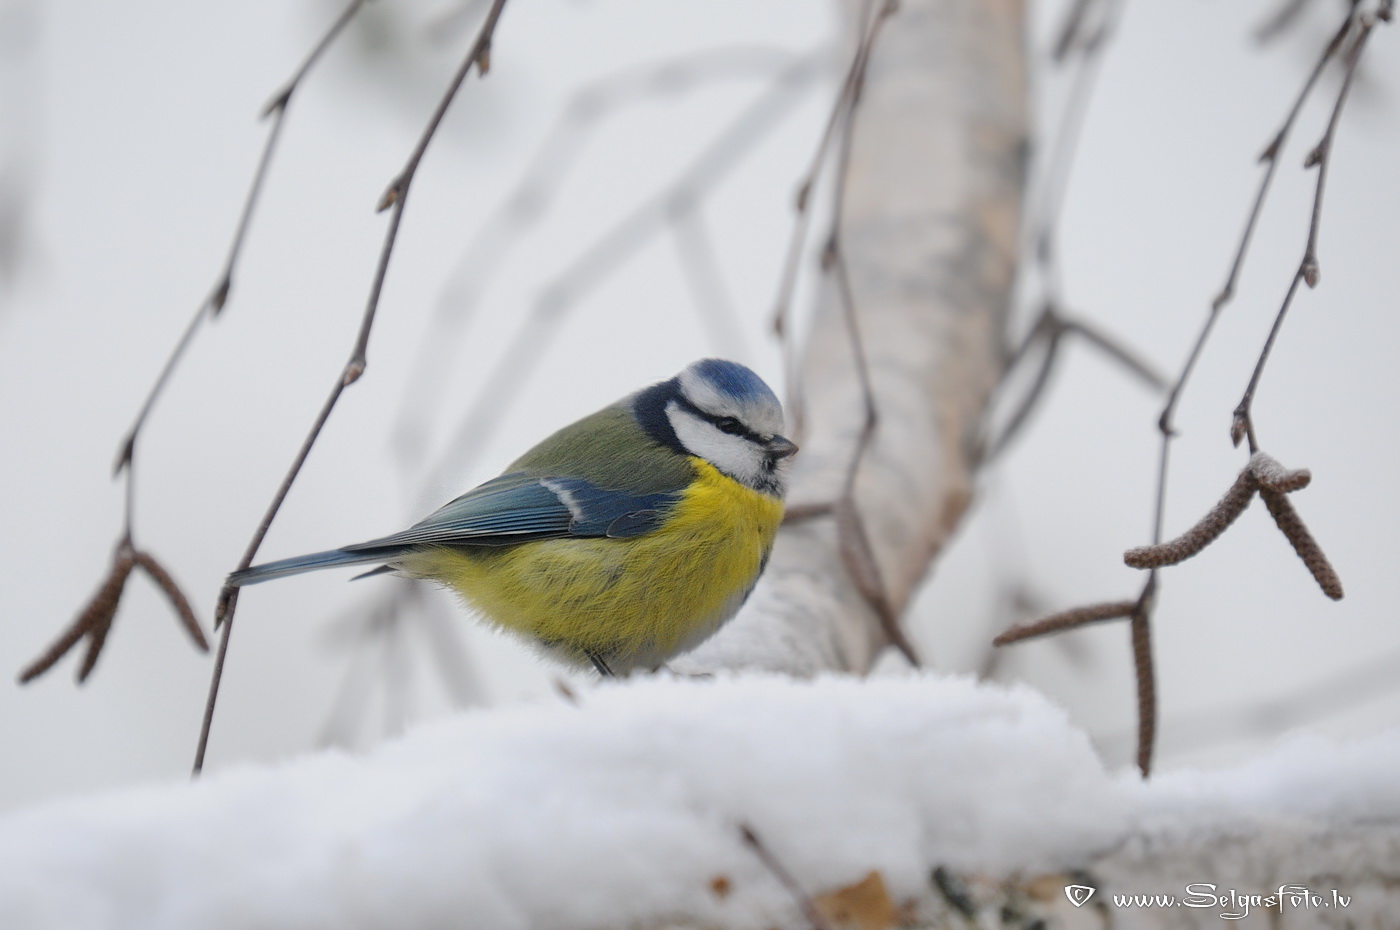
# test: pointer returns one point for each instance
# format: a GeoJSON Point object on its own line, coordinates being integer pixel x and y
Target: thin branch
{"type": "Point", "coordinates": [1320, 157]}
{"type": "Point", "coordinates": [395, 197]}
{"type": "Point", "coordinates": [1262, 474]}
{"type": "Point", "coordinates": [1056, 180]}
{"type": "Point", "coordinates": [803, 198]}
{"type": "Point", "coordinates": [856, 550]}
{"type": "Point", "coordinates": [1280, 20]}
{"type": "Point", "coordinates": [784, 877]}
{"type": "Point", "coordinates": [1360, 682]}
{"type": "Point", "coordinates": [601, 258]}
{"type": "Point", "coordinates": [1142, 616]}
{"type": "Point", "coordinates": [839, 118]}
{"type": "Point", "coordinates": [383, 623]}
{"type": "Point", "coordinates": [96, 619]}
{"type": "Point", "coordinates": [703, 271]}
{"type": "Point", "coordinates": [1051, 336]}
{"type": "Point", "coordinates": [1137, 366]}
{"type": "Point", "coordinates": [1270, 158]}
{"type": "Point", "coordinates": [799, 513]}
{"type": "Point", "coordinates": [1071, 30]}
{"type": "Point", "coordinates": [1049, 328]}
{"type": "Point", "coordinates": [1066, 620]}
{"type": "Point", "coordinates": [218, 295]}
{"type": "Point", "coordinates": [534, 197]}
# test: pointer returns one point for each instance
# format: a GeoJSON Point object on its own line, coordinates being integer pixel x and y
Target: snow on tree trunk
{"type": "Point", "coordinates": [930, 220]}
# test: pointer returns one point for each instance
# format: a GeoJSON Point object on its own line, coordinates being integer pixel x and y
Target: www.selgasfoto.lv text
{"type": "Point", "coordinates": [1236, 905]}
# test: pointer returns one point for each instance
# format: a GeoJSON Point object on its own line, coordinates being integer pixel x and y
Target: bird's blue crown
{"type": "Point", "coordinates": [738, 381]}
{"type": "Point", "coordinates": [726, 378]}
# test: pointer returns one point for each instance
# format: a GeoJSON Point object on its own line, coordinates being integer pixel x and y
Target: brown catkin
{"type": "Point", "coordinates": [172, 592]}
{"type": "Point", "coordinates": [1292, 526]}
{"type": "Point", "coordinates": [1205, 532]}
{"type": "Point", "coordinates": [94, 620]}
{"type": "Point", "coordinates": [1270, 474]}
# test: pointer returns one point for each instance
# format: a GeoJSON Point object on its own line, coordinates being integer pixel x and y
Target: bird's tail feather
{"type": "Point", "coordinates": [308, 563]}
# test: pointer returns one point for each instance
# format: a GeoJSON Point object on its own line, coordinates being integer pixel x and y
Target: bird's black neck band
{"type": "Point", "coordinates": [649, 408]}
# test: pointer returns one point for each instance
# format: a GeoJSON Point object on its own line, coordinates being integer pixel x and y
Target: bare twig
{"type": "Point", "coordinates": [618, 244]}
{"type": "Point", "coordinates": [1049, 330]}
{"type": "Point", "coordinates": [677, 208]}
{"type": "Point", "coordinates": [856, 550]}
{"type": "Point", "coordinates": [96, 619]}
{"type": "Point", "coordinates": [784, 877]}
{"type": "Point", "coordinates": [1320, 156]}
{"type": "Point", "coordinates": [1135, 364]}
{"type": "Point", "coordinates": [1262, 474]}
{"type": "Point", "coordinates": [1066, 620]}
{"type": "Point", "coordinates": [1270, 158]}
{"type": "Point", "coordinates": [568, 694]}
{"type": "Point", "coordinates": [837, 119]}
{"type": "Point", "coordinates": [1165, 421]}
{"type": "Point", "coordinates": [1071, 30]}
{"type": "Point", "coordinates": [384, 625]}
{"type": "Point", "coordinates": [215, 301]}
{"type": "Point", "coordinates": [1362, 681]}
{"type": "Point", "coordinates": [1280, 20]}
{"type": "Point", "coordinates": [1055, 182]}
{"type": "Point", "coordinates": [798, 513]}
{"type": "Point", "coordinates": [535, 195]}
{"type": "Point", "coordinates": [395, 197]}
{"type": "Point", "coordinates": [702, 270]}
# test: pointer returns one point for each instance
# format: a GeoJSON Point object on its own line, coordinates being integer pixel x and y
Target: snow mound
{"type": "Point", "coordinates": [623, 810]}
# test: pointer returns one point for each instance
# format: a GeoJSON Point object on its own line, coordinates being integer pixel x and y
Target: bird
{"type": "Point", "coordinates": [620, 541]}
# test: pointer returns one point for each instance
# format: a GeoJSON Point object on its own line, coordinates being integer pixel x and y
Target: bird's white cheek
{"type": "Point", "coordinates": [733, 455]}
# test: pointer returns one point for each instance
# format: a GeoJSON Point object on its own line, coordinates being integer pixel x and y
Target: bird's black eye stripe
{"type": "Point", "coordinates": [730, 425]}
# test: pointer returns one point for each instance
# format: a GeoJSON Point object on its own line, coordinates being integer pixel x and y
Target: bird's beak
{"type": "Point", "coordinates": [780, 447]}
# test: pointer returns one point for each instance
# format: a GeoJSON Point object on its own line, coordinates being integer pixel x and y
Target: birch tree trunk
{"type": "Point", "coordinates": [931, 212]}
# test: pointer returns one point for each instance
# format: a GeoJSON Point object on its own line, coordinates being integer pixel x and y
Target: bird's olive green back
{"type": "Point", "coordinates": [610, 449]}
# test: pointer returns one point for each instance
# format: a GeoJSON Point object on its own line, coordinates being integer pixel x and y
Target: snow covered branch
{"type": "Point", "coordinates": [916, 802]}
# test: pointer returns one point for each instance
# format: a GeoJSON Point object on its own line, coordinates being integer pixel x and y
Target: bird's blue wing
{"type": "Point", "coordinates": [514, 509]}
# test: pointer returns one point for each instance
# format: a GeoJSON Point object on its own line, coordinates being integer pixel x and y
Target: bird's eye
{"type": "Point", "coordinates": [729, 425]}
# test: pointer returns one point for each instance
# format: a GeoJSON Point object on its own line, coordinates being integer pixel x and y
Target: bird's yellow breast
{"type": "Point", "coordinates": [635, 601]}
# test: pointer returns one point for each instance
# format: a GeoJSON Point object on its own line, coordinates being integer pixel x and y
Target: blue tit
{"type": "Point", "coordinates": [623, 539]}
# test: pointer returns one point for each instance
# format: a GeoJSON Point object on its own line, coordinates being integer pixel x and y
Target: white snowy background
{"type": "Point", "coordinates": [135, 124]}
